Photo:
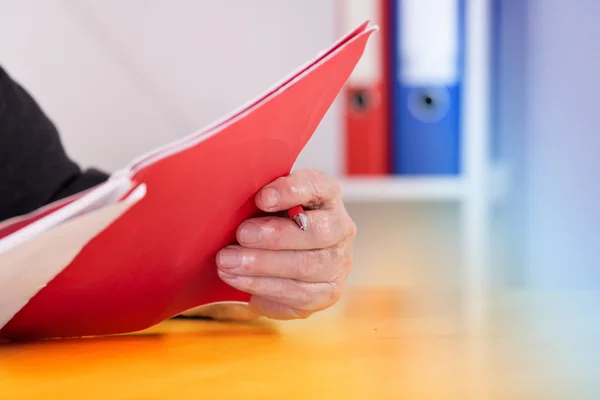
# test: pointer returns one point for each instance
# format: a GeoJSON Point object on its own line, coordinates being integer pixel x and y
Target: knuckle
{"type": "Point", "coordinates": [289, 187]}
{"type": "Point", "coordinates": [304, 300]}
{"type": "Point", "coordinates": [315, 178]}
{"type": "Point", "coordinates": [319, 176]}
{"type": "Point", "coordinates": [252, 284]}
{"type": "Point", "coordinates": [336, 186]}
{"type": "Point", "coordinates": [279, 289]}
{"type": "Point", "coordinates": [301, 314]}
{"type": "Point", "coordinates": [334, 293]}
{"type": "Point", "coordinates": [305, 262]}
{"type": "Point", "coordinates": [352, 228]}
{"type": "Point", "coordinates": [273, 227]}
{"type": "Point", "coordinates": [349, 261]}
{"type": "Point", "coordinates": [328, 186]}
{"type": "Point", "coordinates": [334, 254]}
{"type": "Point", "coordinates": [271, 232]}
{"type": "Point", "coordinates": [309, 263]}
{"type": "Point", "coordinates": [293, 293]}
{"type": "Point", "coordinates": [320, 257]}
{"type": "Point", "coordinates": [323, 228]}
{"type": "Point", "coordinates": [344, 263]}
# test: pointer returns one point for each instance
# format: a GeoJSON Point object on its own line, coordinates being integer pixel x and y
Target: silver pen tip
{"type": "Point", "coordinates": [301, 220]}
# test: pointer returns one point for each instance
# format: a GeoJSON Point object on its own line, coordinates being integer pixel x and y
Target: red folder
{"type": "Point", "coordinates": [141, 248]}
{"type": "Point", "coordinates": [367, 96]}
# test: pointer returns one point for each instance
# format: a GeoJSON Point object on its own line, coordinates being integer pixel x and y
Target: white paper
{"type": "Point", "coordinates": [105, 194]}
{"type": "Point", "coordinates": [26, 269]}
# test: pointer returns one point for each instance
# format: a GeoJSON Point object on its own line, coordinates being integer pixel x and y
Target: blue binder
{"type": "Point", "coordinates": [427, 82]}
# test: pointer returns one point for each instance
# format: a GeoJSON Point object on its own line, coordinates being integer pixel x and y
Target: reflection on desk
{"type": "Point", "coordinates": [373, 345]}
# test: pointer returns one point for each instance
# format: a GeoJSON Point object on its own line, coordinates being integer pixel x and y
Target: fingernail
{"type": "Point", "coordinates": [230, 258]}
{"type": "Point", "coordinates": [250, 234]}
{"type": "Point", "coordinates": [270, 197]}
{"type": "Point", "coordinates": [227, 277]}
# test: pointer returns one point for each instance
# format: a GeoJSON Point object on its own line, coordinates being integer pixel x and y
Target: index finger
{"type": "Point", "coordinates": [309, 188]}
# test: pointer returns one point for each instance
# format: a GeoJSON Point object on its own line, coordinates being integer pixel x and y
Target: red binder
{"type": "Point", "coordinates": [367, 95]}
{"type": "Point", "coordinates": [140, 248]}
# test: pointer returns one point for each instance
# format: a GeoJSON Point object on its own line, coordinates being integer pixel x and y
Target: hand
{"type": "Point", "coordinates": [292, 273]}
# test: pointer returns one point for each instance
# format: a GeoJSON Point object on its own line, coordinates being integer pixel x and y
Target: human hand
{"type": "Point", "coordinates": [292, 273]}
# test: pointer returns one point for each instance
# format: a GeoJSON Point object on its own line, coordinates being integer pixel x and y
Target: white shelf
{"type": "Point", "coordinates": [397, 188]}
{"type": "Point", "coordinates": [392, 189]}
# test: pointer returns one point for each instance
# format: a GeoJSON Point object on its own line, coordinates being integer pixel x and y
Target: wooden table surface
{"type": "Point", "coordinates": [370, 346]}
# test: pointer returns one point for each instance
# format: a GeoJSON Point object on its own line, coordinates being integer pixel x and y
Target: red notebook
{"type": "Point", "coordinates": [141, 247]}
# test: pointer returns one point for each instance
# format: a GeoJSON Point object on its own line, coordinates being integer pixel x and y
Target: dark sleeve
{"type": "Point", "coordinates": [34, 168]}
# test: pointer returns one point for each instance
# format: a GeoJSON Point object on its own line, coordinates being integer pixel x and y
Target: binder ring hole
{"type": "Point", "coordinates": [363, 99]}
{"type": "Point", "coordinates": [360, 100]}
{"type": "Point", "coordinates": [429, 104]}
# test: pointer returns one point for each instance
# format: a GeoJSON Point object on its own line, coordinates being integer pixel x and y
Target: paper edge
{"type": "Point", "coordinates": [60, 216]}
{"type": "Point", "coordinates": [32, 214]}
{"type": "Point", "coordinates": [218, 125]}
{"type": "Point", "coordinates": [33, 230]}
{"type": "Point", "coordinates": [38, 284]}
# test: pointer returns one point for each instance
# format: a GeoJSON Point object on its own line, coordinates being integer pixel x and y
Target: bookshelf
{"type": "Point", "coordinates": [398, 189]}
{"type": "Point", "coordinates": [392, 189]}
{"type": "Point", "coordinates": [481, 185]}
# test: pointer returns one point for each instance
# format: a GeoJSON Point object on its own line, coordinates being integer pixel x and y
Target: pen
{"type": "Point", "coordinates": [297, 215]}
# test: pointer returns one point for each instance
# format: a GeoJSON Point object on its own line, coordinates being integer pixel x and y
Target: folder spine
{"type": "Point", "coordinates": [367, 95]}
{"type": "Point", "coordinates": [427, 47]}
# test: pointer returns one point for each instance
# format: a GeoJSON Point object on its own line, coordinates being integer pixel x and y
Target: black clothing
{"type": "Point", "coordinates": [34, 168]}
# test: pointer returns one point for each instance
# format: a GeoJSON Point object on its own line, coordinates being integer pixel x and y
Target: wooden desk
{"type": "Point", "coordinates": [361, 349]}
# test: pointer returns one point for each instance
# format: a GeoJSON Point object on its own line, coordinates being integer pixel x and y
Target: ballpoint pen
{"type": "Point", "coordinates": [297, 215]}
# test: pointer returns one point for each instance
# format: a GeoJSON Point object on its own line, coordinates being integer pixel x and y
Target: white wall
{"type": "Point", "coordinates": [121, 77]}
{"type": "Point", "coordinates": [563, 144]}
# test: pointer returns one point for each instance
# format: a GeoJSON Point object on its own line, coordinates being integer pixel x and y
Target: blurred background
{"type": "Point", "coordinates": [517, 198]}
{"type": "Point", "coordinates": [504, 198]}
